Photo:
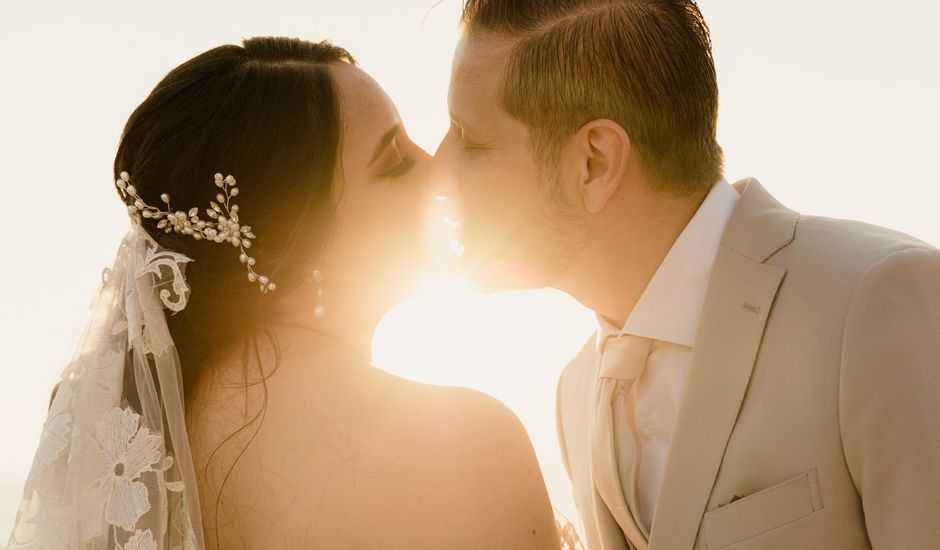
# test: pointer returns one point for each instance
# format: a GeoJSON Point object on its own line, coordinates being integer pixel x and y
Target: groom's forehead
{"type": "Point", "coordinates": [479, 62]}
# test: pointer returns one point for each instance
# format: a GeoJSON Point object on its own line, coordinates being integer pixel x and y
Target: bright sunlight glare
{"type": "Point", "coordinates": [511, 345]}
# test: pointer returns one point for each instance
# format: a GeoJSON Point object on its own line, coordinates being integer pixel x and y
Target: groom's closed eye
{"type": "Point", "coordinates": [466, 141]}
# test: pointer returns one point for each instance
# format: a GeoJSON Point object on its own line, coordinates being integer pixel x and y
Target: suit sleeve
{"type": "Point", "coordinates": [889, 402]}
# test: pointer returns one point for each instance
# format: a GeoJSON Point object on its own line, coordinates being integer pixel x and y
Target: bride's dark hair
{"type": "Point", "coordinates": [268, 113]}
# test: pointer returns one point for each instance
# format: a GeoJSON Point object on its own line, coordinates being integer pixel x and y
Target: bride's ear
{"type": "Point", "coordinates": [603, 151]}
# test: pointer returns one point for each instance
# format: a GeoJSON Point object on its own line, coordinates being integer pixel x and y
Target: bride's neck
{"type": "Point", "coordinates": [350, 320]}
{"type": "Point", "coordinates": [337, 327]}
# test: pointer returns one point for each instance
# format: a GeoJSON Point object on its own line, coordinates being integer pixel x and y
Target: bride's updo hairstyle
{"type": "Point", "coordinates": [266, 112]}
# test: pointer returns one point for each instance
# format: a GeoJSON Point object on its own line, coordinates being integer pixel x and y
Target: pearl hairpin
{"type": "Point", "coordinates": [224, 226]}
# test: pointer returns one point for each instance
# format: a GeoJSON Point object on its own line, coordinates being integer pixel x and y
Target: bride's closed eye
{"type": "Point", "coordinates": [388, 159]}
{"type": "Point", "coordinates": [391, 164]}
{"type": "Point", "coordinates": [399, 170]}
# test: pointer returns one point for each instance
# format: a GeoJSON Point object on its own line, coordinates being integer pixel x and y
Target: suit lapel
{"type": "Point", "coordinates": [739, 299]}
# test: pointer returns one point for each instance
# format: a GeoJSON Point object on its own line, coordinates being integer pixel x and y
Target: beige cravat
{"type": "Point", "coordinates": [622, 361]}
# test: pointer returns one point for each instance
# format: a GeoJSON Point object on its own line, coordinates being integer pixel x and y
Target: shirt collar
{"type": "Point", "coordinates": [671, 305]}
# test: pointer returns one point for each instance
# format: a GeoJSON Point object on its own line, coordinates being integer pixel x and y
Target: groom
{"type": "Point", "coordinates": [759, 379]}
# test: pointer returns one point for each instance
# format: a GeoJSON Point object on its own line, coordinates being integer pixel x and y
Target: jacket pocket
{"type": "Point", "coordinates": [763, 511]}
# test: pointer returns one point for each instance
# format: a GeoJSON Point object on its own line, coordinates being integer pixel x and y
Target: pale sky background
{"type": "Point", "coordinates": [831, 104]}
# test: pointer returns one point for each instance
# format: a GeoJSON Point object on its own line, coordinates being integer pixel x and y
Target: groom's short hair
{"type": "Point", "coordinates": [645, 64]}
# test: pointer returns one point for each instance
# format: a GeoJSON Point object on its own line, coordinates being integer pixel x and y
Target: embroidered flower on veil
{"type": "Point", "coordinates": [142, 540]}
{"type": "Point", "coordinates": [125, 451]}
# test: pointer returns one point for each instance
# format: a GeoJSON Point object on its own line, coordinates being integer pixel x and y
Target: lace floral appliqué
{"type": "Point", "coordinates": [125, 451]}
{"type": "Point", "coordinates": [142, 540]}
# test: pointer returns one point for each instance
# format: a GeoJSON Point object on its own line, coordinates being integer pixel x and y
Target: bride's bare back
{"type": "Point", "coordinates": [348, 456]}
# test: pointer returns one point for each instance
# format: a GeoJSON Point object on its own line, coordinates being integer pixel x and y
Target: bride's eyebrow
{"type": "Point", "coordinates": [387, 138]}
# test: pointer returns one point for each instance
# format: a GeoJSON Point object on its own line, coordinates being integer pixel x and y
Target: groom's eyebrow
{"type": "Point", "coordinates": [383, 143]}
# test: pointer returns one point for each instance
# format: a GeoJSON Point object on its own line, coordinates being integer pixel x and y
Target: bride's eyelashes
{"type": "Point", "coordinates": [392, 163]}
{"type": "Point", "coordinates": [403, 167]}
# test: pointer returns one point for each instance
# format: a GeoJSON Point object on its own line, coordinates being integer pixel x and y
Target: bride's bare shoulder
{"type": "Point", "coordinates": [465, 465]}
{"type": "Point", "coordinates": [372, 460]}
{"type": "Point", "coordinates": [449, 420]}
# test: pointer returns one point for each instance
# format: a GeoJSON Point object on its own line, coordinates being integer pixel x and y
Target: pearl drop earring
{"type": "Point", "coordinates": [319, 310]}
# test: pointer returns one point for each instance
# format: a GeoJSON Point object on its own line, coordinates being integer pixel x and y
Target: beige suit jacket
{"type": "Point", "coordinates": [813, 398]}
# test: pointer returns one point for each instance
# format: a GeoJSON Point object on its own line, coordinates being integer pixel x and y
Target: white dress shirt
{"type": "Point", "coordinates": [668, 312]}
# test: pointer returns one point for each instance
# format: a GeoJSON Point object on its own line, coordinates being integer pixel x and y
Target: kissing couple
{"type": "Point", "coordinates": [759, 379]}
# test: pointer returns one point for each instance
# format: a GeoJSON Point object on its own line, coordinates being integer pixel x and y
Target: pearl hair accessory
{"type": "Point", "coordinates": [223, 228]}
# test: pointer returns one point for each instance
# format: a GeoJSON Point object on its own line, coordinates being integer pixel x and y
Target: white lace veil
{"type": "Point", "coordinates": [113, 468]}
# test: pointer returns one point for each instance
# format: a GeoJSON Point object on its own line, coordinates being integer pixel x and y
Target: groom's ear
{"type": "Point", "coordinates": [603, 149]}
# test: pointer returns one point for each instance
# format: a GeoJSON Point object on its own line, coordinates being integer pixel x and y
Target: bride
{"type": "Point", "coordinates": [222, 394]}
